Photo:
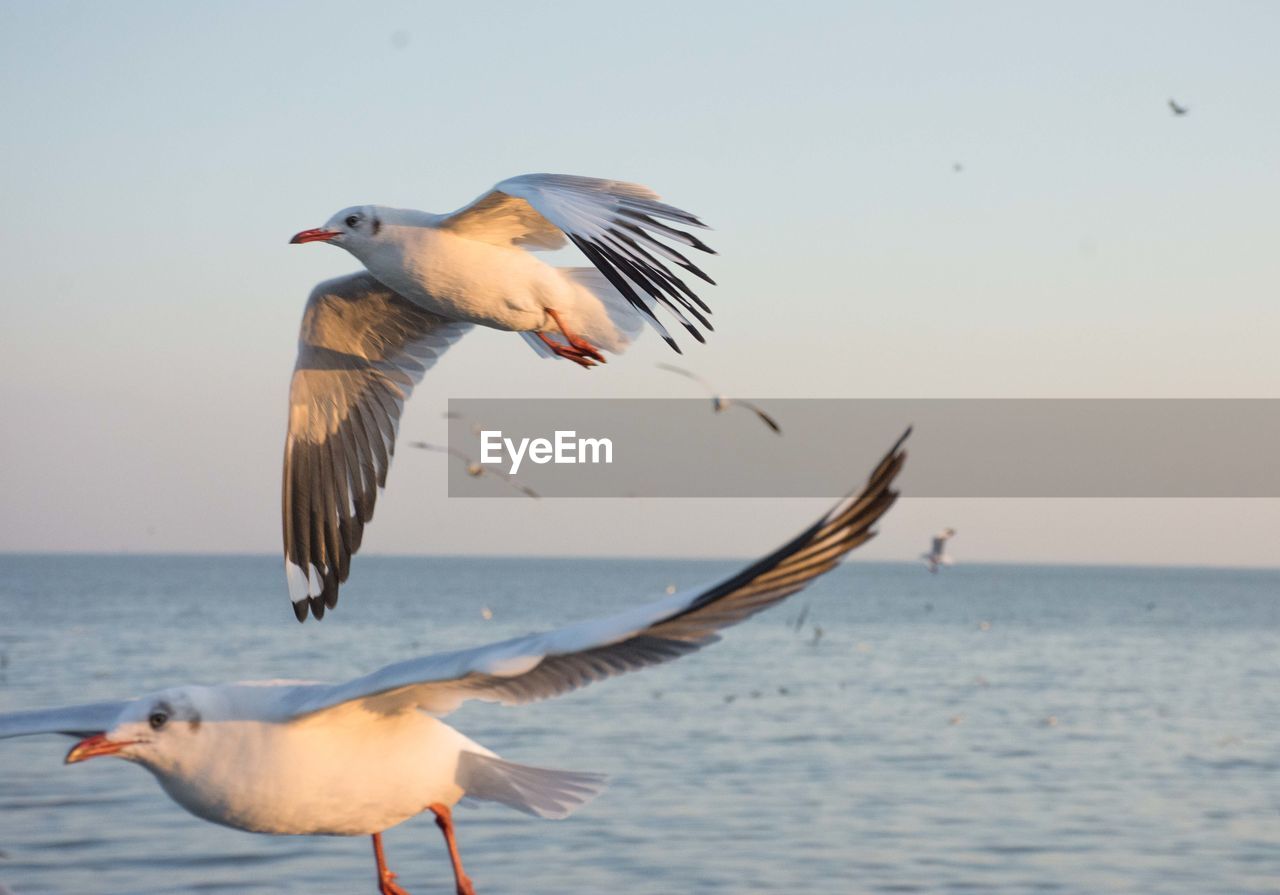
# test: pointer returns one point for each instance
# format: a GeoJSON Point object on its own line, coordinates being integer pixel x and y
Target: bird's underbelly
{"type": "Point", "coordinates": [477, 282]}
{"type": "Point", "coordinates": [324, 782]}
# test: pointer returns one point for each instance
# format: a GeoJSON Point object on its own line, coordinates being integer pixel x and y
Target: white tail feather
{"type": "Point", "coordinates": [541, 792]}
{"type": "Point", "coordinates": [624, 316]}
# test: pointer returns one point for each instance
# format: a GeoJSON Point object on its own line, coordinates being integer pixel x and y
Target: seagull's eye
{"type": "Point", "coordinates": [352, 220]}
{"type": "Point", "coordinates": [158, 719]}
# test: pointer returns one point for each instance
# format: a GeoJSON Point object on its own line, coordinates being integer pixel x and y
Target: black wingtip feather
{"type": "Point", "coordinates": [300, 610]}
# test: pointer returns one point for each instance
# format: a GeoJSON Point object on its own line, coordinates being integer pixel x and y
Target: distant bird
{"type": "Point", "coordinates": [356, 758]}
{"type": "Point", "coordinates": [475, 427]}
{"type": "Point", "coordinates": [474, 468]}
{"type": "Point", "coordinates": [367, 338]}
{"type": "Point", "coordinates": [937, 555]}
{"type": "Point", "coordinates": [719, 402]}
{"type": "Point", "coordinates": [1177, 109]}
{"type": "Point", "coordinates": [802, 618]}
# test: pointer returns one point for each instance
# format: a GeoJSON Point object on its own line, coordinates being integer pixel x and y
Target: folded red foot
{"type": "Point", "coordinates": [579, 350]}
{"type": "Point", "coordinates": [582, 353]}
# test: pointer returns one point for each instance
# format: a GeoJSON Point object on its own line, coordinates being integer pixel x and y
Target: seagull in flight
{"type": "Point", "coordinates": [368, 338]}
{"type": "Point", "coordinates": [475, 264]}
{"type": "Point", "coordinates": [355, 758]}
{"type": "Point", "coordinates": [721, 403]}
{"type": "Point", "coordinates": [937, 555]}
{"type": "Point", "coordinates": [474, 468]}
{"type": "Point", "coordinates": [1177, 109]}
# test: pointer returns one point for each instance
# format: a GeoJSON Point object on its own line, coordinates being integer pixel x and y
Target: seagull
{"type": "Point", "coordinates": [353, 759]}
{"type": "Point", "coordinates": [1177, 109]}
{"type": "Point", "coordinates": [719, 402]}
{"type": "Point", "coordinates": [368, 338]}
{"type": "Point", "coordinates": [474, 469]}
{"type": "Point", "coordinates": [937, 555]}
{"type": "Point", "coordinates": [475, 264]}
{"type": "Point", "coordinates": [475, 427]}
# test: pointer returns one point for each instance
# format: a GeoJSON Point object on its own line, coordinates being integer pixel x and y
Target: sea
{"type": "Point", "coordinates": [990, 729]}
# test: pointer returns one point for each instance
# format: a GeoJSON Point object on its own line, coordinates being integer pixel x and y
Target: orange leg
{"type": "Point", "coordinates": [386, 879]}
{"type": "Point", "coordinates": [579, 350]}
{"type": "Point", "coordinates": [444, 820]}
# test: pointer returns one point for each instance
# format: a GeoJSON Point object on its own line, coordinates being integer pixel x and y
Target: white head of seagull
{"type": "Point", "coordinates": [356, 758]}
{"type": "Point", "coordinates": [368, 338]}
{"type": "Point", "coordinates": [359, 229]}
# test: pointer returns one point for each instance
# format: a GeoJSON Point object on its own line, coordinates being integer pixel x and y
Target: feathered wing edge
{"type": "Point", "coordinates": [362, 349]}
{"type": "Point", "coordinates": [617, 225]}
{"type": "Point", "coordinates": [74, 720]}
{"type": "Point", "coordinates": [540, 666]}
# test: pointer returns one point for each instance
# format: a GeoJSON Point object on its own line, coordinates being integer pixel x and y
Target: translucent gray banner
{"type": "Point", "coordinates": [959, 448]}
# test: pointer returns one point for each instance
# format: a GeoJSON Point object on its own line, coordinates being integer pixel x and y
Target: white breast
{"type": "Point", "coordinates": [497, 286]}
{"type": "Point", "coordinates": [341, 773]}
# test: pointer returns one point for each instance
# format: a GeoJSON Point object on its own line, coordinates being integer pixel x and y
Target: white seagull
{"type": "Point", "coordinates": [937, 555]}
{"type": "Point", "coordinates": [367, 338]}
{"type": "Point", "coordinates": [719, 402]}
{"type": "Point", "coordinates": [353, 759]}
{"type": "Point", "coordinates": [474, 468]}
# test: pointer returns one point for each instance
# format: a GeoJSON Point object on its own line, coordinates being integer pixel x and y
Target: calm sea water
{"type": "Point", "coordinates": [991, 729]}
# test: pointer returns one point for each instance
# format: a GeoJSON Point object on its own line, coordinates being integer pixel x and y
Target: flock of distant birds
{"type": "Point", "coordinates": [934, 559]}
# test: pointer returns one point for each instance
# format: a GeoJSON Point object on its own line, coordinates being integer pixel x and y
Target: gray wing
{"type": "Point", "coordinates": [539, 666]}
{"type": "Point", "coordinates": [73, 720]}
{"type": "Point", "coordinates": [688, 374]}
{"type": "Point", "coordinates": [441, 449]}
{"type": "Point", "coordinates": [361, 350]}
{"type": "Point", "coordinates": [617, 225]}
{"type": "Point", "coordinates": [764, 417]}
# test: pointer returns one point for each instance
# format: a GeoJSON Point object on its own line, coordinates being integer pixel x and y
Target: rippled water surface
{"type": "Point", "coordinates": [991, 729]}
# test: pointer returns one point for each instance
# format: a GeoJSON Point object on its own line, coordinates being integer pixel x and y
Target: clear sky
{"type": "Point", "coordinates": [157, 157]}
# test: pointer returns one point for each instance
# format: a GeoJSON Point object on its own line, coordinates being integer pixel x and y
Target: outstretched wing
{"type": "Point", "coordinates": [361, 350]}
{"type": "Point", "coordinates": [617, 226]}
{"type": "Point", "coordinates": [764, 417]}
{"type": "Point", "coordinates": [688, 374]}
{"type": "Point", "coordinates": [74, 720]}
{"type": "Point", "coordinates": [542, 665]}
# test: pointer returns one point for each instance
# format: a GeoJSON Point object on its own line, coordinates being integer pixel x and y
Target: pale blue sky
{"type": "Point", "coordinates": [157, 156]}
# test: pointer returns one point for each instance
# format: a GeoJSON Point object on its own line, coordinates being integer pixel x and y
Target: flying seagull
{"type": "Point", "coordinates": [366, 339]}
{"type": "Point", "coordinates": [1177, 109]}
{"type": "Point", "coordinates": [474, 468]}
{"type": "Point", "coordinates": [937, 555]}
{"type": "Point", "coordinates": [475, 264]}
{"type": "Point", "coordinates": [475, 427]}
{"type": "Point", "coordinates": [356, 758]}
{"type": "Point", "coordinates": [721, 403]}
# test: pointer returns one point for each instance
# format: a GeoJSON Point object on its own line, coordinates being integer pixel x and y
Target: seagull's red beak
{"type": "Point", "coordinates": [95, 746]}
{"type": "Point", "coordinates": [320, 234]}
